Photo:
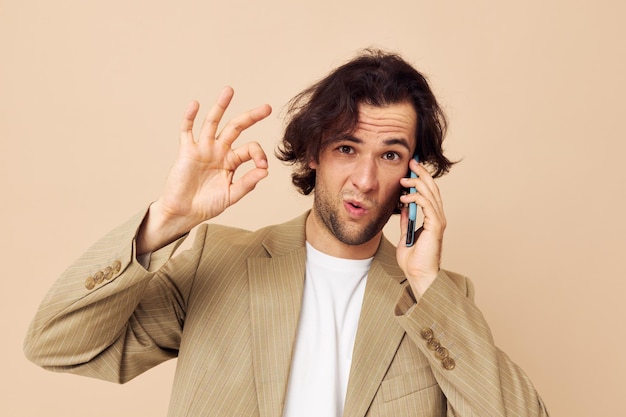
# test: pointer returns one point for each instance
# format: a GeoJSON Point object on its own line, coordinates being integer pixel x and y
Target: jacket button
{"type": "Point", "coordinates": [108, 273]}
{"type": "Point", "coordinates": [427, 333]}
{"type": "Point", "coordinates": [90, 283]}
{"type": "Point", "coordinates": [448, 363]}
{"type": "Point", "coordinates": [441, 352]}
{"type": "Point", "coordinates": [433, 344]}
{"type": "Point", "coordinates": [117, 265]}
{"type": "Point", "coordinates": [98, 277]}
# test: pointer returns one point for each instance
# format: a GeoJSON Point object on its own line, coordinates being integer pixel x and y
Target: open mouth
{"type": "Point", "coordinates": [355, 208]}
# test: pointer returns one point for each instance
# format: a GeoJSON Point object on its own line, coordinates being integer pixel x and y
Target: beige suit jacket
{"type": "Point", "coordinates": [228, 309]}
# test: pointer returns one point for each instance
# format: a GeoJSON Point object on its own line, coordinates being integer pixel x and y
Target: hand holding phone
{"type": "Point", "coordinates": [410, 232]}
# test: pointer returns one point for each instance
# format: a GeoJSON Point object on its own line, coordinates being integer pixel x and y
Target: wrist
{"type": "Point", "coordinates": [160, 228]}
{"type": "Point", "coordinates": [419, 284]}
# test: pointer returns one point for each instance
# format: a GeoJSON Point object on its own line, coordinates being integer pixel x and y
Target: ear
{"type": "Point", "coordinates": [313, 164]}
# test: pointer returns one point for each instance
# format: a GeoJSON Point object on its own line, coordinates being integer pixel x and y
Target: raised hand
{"type": "Point", "coordinates": [420, 262]}
{"type": "Point", "coordinates": [200, 185]}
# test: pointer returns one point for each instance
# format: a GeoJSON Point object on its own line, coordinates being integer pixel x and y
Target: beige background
{"type": "Point", "coordinates": [91, 95]}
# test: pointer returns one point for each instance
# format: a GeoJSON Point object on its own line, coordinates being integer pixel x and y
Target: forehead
{"type": "Point", "coordinates": [393, 119]}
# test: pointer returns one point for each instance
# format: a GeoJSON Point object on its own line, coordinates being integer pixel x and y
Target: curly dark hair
{"type": "Point", "coordinates": [330, 108]}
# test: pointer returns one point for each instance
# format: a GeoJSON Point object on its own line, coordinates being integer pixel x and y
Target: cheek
{"type": "Point", "coordinates": [391, 187]}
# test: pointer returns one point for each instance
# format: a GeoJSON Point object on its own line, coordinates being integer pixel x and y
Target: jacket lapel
{"type": "Point", "coordinates": [276, 285]}
{"type": "Point", "coordinates": [378, 335]}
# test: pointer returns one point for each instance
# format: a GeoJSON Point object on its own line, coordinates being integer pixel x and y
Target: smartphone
{"type": "Point", "coordinates": [410, 229]}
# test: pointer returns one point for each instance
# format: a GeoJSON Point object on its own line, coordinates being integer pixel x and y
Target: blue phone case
{"type": "Point", "coordinates": [410, 232]}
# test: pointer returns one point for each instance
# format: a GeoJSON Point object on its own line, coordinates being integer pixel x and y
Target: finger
{"type": "Point", "coordinates": [250, 151]}
{"type": "Point", "coordinates": [429, 205]}
{"type": "Point", "coordinates": [240, 123]}
{"type": "Point", "coordinates": [432, 209]}
{"type": "Point", "coordinates": [424, 185]}
{"type": "Point", "coordinates": [215, 114]}
{"type": "Point", "coordinates": [422, 192]}
{"type": "Point", "coordinates": [434, 218]}
{"type": "Point", "coordinates": [246, 183]}
{"type": "Point", "coordinates": [186, 127]}
{"type": "Point", "coordinates": [429, 181]}
{"type": "Point", "coordinates": [421, 188]}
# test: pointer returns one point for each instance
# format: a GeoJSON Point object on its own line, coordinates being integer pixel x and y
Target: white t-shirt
{"type": "Point", "coordinates": [331, 306]}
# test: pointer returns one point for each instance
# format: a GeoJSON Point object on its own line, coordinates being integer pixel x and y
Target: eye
{"type": "Point", "coordinates": [391, 156]}
{"type": "Point", "coordinates": [345, 149]}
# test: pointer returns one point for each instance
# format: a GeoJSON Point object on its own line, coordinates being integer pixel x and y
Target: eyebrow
{"type": "Point", "coordinates": [392, 141]}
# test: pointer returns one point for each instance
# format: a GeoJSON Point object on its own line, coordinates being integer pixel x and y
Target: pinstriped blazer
{"type": "Point", "coordinates": [228, 310]}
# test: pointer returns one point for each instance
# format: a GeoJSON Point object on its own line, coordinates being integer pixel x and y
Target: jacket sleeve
{"type": "Point", "coordinates": [476, 377]}
{"type": "Point", "coordinates": [108, 317]}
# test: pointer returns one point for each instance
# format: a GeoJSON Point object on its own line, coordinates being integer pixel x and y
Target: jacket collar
{"type": "Point", "coordinates": [286, 237]}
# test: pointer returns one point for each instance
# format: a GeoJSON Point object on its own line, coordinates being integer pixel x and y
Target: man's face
{"type": "Point", "coordinates": [358, 175]}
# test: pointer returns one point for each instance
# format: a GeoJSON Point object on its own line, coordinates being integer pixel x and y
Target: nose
{"type": "Point", "coordinates": [364, 175]}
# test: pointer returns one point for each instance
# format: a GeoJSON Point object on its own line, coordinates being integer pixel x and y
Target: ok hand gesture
{"type": "Point", "coordinates": [200, 185]}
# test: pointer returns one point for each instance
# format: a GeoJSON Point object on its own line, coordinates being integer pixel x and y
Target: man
{"type": "Point", "coordinates": [319, 316]}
